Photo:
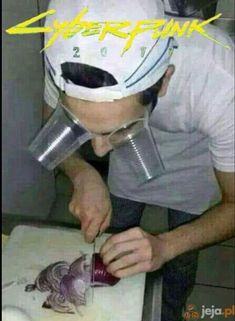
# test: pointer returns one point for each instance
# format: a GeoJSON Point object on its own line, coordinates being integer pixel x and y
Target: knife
{"type": "Point", "coordinates": [93, 266]}
{"type": "Point", "coordinates": [92, 271]}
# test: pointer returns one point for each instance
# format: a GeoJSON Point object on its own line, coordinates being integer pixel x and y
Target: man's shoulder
{"type": "Point", "coordinates": [211, 32]}
{"type": "Point", "coordinates": [214, 47]}
{"type": "Point", "coordinates": [204, 73]}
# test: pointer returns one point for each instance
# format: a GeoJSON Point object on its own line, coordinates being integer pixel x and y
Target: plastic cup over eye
{"type": "Point", "coordinates": [58, 139]}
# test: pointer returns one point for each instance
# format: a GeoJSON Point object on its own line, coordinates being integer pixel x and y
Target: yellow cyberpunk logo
{"type": "Point", "coordinates": [158, 28]}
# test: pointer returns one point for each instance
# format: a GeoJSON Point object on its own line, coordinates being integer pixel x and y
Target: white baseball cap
{"type": "Point", "coordinates": [133, 72]}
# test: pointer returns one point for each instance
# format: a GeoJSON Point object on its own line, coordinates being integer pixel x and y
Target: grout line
{"type": "Point", "coordinates": [215, 286]}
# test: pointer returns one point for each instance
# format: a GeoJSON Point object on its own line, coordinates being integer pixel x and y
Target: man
{"type": "Point", "coordinates": [193, 127]}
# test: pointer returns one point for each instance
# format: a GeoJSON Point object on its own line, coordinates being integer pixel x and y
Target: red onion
{"type": "Point", "coordinates": [81, 269]}
{"type": "Point", "coordinates": [55, 274]}
{"type": "Point", "coordinates": [100, 276]}
{"type": "Point", "coordinates": [68, 284]}
{"type": "Point", "coordinates": [74, 290]}
{"type": "Point", "coordinates": [41, 282]}
{"type": "Point", "coordinates": [57, 302]}
{"type": "Point", "coordinates": [49, 279]}
{"type": "Point", "coordinates": [79, 266]}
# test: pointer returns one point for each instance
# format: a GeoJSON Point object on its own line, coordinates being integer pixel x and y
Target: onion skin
{"type": "Point", "coordinates": [99, 276]}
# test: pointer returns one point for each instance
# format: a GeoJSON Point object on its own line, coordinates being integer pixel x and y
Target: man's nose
{"type": "Point", "coordinates": [101, 145]}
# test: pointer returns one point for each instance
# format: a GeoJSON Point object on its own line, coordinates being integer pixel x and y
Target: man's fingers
{"type": "Point", "coordinates": [123, 262]}
{"type": "Point", "coordinates": [84, 220]}
{"type": "Point", "coordinates": [105, 223]}
{"type": "Point", "coordinates": [74, 209]}
{"type": "Point", "coordinates": [118, 250]}
{"type": "Point", "coordinates": [97, 226]}
{"type": "Point", "coordinates": [92, 231]}
{"type": "Point", "coordinates": [131, 234]}
{"type": "Point", "coordinates": [132, 270]}
{"type": "Point", "coordinates": [85, 223]}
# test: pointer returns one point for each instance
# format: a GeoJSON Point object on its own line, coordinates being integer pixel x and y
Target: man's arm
{"type": "Point", "coordinates": [90, 201]}
{"type": "Point", "coordinates": [136, 251]}
{"type": "Point", "coordinates": [214, 226]}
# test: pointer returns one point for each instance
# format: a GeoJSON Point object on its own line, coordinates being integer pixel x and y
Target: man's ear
{"type": "Point", "coordinates": [166, 80]}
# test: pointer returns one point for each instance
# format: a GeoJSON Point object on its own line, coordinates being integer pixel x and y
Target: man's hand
{"type": "Point", "coordinates": [91, 203]}
{"type": "Point", "coordinates": [132, 252]}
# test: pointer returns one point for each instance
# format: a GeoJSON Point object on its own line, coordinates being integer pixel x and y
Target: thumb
{"type": "Point", "coordinates": [75, 209]}
{"type": "Point", "coordinates": [105, 224]}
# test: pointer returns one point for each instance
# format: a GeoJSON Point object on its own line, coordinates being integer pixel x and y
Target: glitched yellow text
{"type": "Point", "coordinates": [126, 30]}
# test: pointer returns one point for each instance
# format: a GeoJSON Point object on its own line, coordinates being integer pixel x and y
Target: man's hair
{"type": "Point", "coordinates": [87, 76]}
{"type": "Point", "coordinates": [150, 95]}
{"type": "Point", "coordinates": [93, 77]}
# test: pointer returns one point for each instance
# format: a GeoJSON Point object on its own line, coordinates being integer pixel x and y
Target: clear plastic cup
{"type": "Point", "coordinates": [137, 146]}
{"type": "Point", "coordinates": [58, 139]}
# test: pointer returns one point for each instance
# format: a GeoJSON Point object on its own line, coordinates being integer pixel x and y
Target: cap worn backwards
{"type": "Point", "coordinates": [132, 71]}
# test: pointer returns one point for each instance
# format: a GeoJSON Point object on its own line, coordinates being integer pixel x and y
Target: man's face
{"type": "Point", "coordinates": [103, 118]}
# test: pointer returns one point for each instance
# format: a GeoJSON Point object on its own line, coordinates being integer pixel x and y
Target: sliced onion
{"type": "Point", "coordinates": [81, 269]}
{"type": "Point", "coordinates": [68, 284]}
{"type": "Point", "coordinates": [42, 283]}
{"type": "Point", "coordinates": [74, 290]}
{"type": "Point", "coordinates": [49, 279]}
{"type": "Point", "coordinates": [56, 273]}
{"type": "Point", "coordinates": [79, 266]}
{"type": "Point", "coordinates": [57, 302]}
{"type": "Point", "coordinates": [99, 275]}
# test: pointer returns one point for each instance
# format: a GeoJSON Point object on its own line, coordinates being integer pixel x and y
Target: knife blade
{"type": "Point", "coordinates": [93, 266]}
{"type": "Point", "coordinates": [92, 271]}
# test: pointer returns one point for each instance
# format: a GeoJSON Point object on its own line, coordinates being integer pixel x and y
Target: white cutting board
{"type": "Point", "coordinates": [30, 249]}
